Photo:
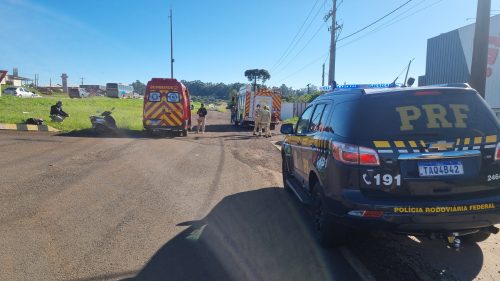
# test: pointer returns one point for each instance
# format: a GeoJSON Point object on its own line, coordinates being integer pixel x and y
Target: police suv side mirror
{"type": "Point", "coordinates": [286, 129]}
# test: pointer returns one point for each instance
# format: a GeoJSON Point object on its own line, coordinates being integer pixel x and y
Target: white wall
{"type": "Point", "coordinates": [289, 110]}
{"type": "Point", "coordinates": [17, 83]}
{"type": "Point", "coordinates": [466, 34]}
{"type": "Point", "coordinates": [286, 110]}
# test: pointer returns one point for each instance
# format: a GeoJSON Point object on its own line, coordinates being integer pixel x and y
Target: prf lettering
{"type": "Point", "coordinates": [436, 115]}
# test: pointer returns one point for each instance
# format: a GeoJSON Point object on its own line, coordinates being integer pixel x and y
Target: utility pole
{"type": "Point", "coordinates": [50, 83]}
{"type": "Point", "coordinates": [323, 76]}
{"type": "Point", "coordinates": [82, 81]}
{"type": "Point", "coordinates": [171, 47]}
{"type": "Point", "coordinates": [480, 51]}
{"type": "Point", "coordinates": [308, 87]}
{"type": "Point", "coordinates": [333, 43]}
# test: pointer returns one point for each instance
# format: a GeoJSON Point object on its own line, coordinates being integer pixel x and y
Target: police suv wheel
{"type": "Point", "coordinates": [328, 233]}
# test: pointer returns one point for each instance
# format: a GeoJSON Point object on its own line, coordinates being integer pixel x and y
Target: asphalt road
{"type": "Point", "coordinates": [206, 207]}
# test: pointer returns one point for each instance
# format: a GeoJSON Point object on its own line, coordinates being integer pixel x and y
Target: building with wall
{"type": "Point", "coordinates": [449, 58]}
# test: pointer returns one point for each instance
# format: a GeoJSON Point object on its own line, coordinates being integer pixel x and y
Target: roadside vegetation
{"type": "Point", "coordinates": [128, 112]}
{"type": "Point", "coordinates": [293, 120]}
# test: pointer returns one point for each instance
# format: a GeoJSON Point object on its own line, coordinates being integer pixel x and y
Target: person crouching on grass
{"type": "Point", "coordinates": [202, 115]}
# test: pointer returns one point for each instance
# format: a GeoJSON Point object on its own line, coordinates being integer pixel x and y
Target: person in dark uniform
{"type": "Point", "coordinates": [202, 115]}
{"type": "Point", "coordinates": [57, 114]}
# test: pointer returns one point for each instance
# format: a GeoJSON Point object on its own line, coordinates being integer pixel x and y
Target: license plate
{"type": "Point", "coordinates": [441, 168]}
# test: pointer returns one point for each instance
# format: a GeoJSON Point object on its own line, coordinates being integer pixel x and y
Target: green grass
{"type": "Point", "coordinates": [196, 105]}
{"type": "Point", "coordinates": [128, 112]}
{"type": "Point", "coordinates": [292, 120]}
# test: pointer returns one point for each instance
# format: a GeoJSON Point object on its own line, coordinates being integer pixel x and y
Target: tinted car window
{"type": "Point", "coordinates": [323, 126]}
{"type": "Point", "coordinates": [316, 118]}
{"type": "Point", "coordinates": [424, 114]}
{"type": "Point", "coordinates": [303, 123]}
{"type": "Point", "coordinates": [342, 118]}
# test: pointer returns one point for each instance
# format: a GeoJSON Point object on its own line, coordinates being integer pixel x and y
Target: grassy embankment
{"type": "Point", "coordinates": [128, 112]}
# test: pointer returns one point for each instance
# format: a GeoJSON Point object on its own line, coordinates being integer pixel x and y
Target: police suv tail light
{"type": "Point", "coordinates": [368, 156]}
{"type": "Point", "coordinates": [497, 152]}
{"type": "Point", "coordinates": [353, 154]}
{"type": "Point", "coordinates": [345, 153]}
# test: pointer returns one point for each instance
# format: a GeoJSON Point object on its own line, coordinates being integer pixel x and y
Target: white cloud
{"type": "Point", "coordinates": [57, 16]}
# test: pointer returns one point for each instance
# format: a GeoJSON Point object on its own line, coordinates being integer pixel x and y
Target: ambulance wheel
{"type": "Point", "coordinates": [328, 233]}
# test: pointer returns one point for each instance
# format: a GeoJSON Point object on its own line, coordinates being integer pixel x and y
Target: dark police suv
{"type": "Point", "coordinates": [420, 161]}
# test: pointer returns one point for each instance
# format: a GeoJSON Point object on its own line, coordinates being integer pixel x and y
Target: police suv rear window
{"type": "Point", "coordinates": [423, 113]}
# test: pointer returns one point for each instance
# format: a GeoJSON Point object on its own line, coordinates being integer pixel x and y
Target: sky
{"type": "Point", "coordinates": [216, 41]}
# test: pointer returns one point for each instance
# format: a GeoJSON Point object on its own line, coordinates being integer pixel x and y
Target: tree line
{"type": "Point", "coordinates": [222, 91]}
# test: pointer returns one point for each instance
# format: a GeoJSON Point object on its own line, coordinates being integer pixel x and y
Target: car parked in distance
{"type": "Point", "coordinates": [19, 92]}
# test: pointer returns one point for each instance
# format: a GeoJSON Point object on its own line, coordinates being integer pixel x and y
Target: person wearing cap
{"type": "Point", "coordinates": [265, 121]}
{"type": "Point", "coordinates": [57, 114]}
{"type": "Point", "coordinates": [257, 126]}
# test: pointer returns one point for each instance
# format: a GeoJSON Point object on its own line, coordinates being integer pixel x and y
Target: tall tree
{"type": "Point", "coordinates": [253, 75]}
{"type": "Point", "coordinates": [139, 87]}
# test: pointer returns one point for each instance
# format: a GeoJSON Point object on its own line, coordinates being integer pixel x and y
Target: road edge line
{"type": "Point", "coordinates": [27, 127]}
{"type": "Point", "coordinates": [357, 265]}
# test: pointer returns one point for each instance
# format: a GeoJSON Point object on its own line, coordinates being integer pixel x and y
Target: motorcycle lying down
{"type": "Point", "coordinates": [104, 123]}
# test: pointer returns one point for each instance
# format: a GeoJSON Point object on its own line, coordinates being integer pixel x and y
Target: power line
{"type": "Point", "coordinates": [296, 35]}
{"type": "Point", "coordinates": [306, 66]}
{"type": "Point", "coordinates": [389, 24]}
{"type": "Point", "coordinates": [375, 22]}
{"type": "Point", "coordinates": [300, 38]}
{"type": "Point", "coordinates": [396, 20]}
{"type": "Point", "coordinates": [303, 48]}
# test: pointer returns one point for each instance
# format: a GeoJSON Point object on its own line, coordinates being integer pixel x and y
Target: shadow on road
{"type": "Point", "coordinates": [220, 128]}
{"type": "Point", "coordinates": [254, 235]}
{"type": "Point", "coordinates": [122, 133]}
{"type": "Point", "coordinates": [410, 258]}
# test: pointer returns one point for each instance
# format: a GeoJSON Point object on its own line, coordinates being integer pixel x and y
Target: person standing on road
{"type": "Point", "coordinates": [265, 121]}
{"type": "Point", "coordinates": [256, 122]}
{"type": "Point", "coordinates": [57, 114]}
{"type": "Point", "coordinates": [233, 114]}
{"type": "Point", "coordinates": [202, 116]}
